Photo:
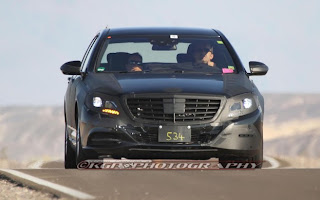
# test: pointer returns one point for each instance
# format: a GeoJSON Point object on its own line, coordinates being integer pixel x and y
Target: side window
{"type": "Point", "coordinates": [87, 55]}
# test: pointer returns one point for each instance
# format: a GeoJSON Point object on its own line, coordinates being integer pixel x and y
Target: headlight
{"type": "Point", "coordinates": [97, 102]}
{"type": "Point", "coordinates": [235, 106]}
{"type": "Point", "coordinates": [110, 104]}
{"type": "Point", "coordinates": [247, 103]}
{"type": "Point", "coordinates": [241, 105]}
{"type": "Point", "coordinates": [102, 103]}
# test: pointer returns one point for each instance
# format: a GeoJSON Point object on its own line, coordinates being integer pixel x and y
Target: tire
{"type": "Point", "coordinates": [79, 152]}
{"type": "Point", "coordinates": [69, 154]}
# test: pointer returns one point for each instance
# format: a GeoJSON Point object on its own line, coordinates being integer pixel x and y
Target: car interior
{"type": "Point", "coordinates": [117, 61]}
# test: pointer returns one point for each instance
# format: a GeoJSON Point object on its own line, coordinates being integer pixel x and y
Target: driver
{"type": "Point", "coordinates": [202, 53]}
{"type": "Point", "coordinates": [134, 63]}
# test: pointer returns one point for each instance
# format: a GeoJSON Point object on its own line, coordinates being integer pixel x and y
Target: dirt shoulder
{"type": "Point", "coordinates": [10, 189]}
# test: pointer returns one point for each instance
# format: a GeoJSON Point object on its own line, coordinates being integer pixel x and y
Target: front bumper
{"type": "Point", "coordinates": [104, 136]}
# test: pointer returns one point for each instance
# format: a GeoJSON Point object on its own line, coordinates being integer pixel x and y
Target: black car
{"type": "Point", "coordinates": [162, 93]}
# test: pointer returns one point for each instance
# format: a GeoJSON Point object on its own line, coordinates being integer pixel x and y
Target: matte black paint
{"type": "Point", "coordinates": [123, 83]}
{"type": "Point", "coordinates": [122, 130]}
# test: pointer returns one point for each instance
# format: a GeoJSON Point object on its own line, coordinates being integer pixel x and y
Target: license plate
{"type": "Point", "coordinates": [174, 134]}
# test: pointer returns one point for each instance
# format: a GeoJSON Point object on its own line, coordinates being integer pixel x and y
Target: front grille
{"type": "Point", "coordinates": [189, 109]}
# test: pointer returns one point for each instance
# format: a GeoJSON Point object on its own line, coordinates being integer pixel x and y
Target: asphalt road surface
{"type": "Point", "coordinates": [175, 184]}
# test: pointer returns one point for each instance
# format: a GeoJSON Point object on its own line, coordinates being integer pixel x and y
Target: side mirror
{"type": "Point", "coordinates": [71, 68]}
{"type": "Point", "coordinates": [257, 68]}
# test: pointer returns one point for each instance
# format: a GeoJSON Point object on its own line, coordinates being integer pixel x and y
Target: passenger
{"type": "Point", "coordinates": [202, 53]}
{"type": "Point", "coordinates": [134, 63]}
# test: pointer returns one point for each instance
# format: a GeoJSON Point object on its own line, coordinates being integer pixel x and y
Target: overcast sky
{"type": "Point", "coordinates": [37, 37]}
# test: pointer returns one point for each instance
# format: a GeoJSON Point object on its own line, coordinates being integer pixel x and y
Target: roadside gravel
{"type": "Point", "coordinates": [12, 190]}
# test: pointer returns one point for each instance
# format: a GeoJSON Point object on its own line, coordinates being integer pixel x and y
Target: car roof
{"type": "Point", "coordinates": [163, 31]}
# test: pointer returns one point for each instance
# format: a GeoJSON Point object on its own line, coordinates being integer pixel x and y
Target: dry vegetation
{"type": "Point", "coordinates": [292, 128]}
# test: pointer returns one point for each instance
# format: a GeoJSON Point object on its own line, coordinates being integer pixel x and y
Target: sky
{"type": "Point", "coordinates": [37, 37]}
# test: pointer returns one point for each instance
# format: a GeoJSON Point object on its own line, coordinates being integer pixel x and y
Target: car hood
{"type": "Point", "coordinates": [136, 83]}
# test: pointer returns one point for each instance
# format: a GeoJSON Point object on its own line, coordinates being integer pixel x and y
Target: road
{"type": "Point", "coordinates": [178, 184]}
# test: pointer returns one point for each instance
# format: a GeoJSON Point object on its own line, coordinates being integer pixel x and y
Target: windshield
{"type": "Point", "coordinates": [165, 54]}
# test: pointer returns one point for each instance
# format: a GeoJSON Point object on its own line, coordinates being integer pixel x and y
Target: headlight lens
{"type": "Point", "coordinates": [110, 104]}
{"type": "Point", "coordinates": [235, 106]}
{"type": "Point", "coordinates": [241, 105]}
{"type": "Point", "coordinates": [97, 102]}
{"type": "Point", "coordinates": [247, 103]}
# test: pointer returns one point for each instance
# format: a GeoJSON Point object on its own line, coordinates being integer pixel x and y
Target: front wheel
{"type": "Point", "coordinates": [69, 154]}
{"type": "Point", "coordinates": [79, 152]}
